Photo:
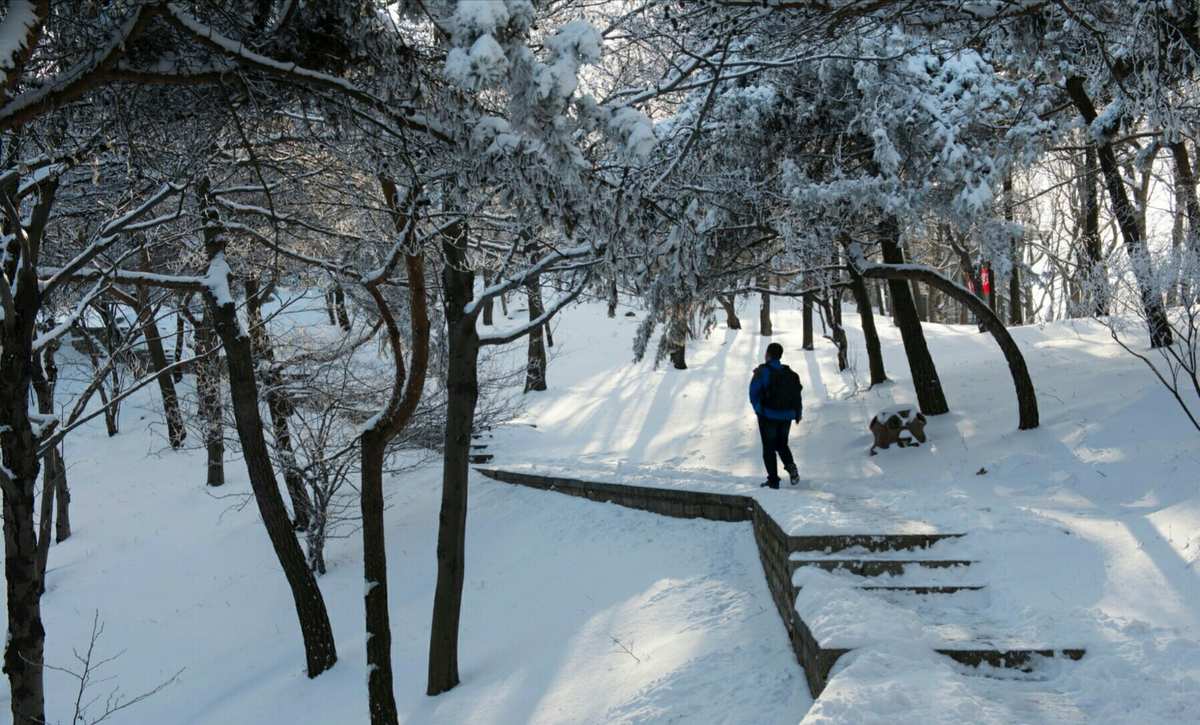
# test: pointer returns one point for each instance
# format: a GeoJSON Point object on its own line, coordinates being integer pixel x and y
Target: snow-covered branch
{"type": "Point", "coordinates": [503, 338]}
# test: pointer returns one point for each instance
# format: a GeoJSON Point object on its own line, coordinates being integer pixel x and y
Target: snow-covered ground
{"type": "Point", "coordinates": [1087, 533]}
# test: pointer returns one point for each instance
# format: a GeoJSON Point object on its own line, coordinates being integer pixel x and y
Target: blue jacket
{"type": "Point", "coordinates": [758, 387]}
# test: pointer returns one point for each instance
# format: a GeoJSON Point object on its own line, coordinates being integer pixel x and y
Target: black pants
{"type": "Point", "coordinates": [774, 435]}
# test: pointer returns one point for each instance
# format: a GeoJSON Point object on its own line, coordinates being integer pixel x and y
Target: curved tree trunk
{"type": "Point", "coordinates": [320, 652]}
{"type": "Point", "coordinates": [279, 405]}
{"type": "Point", "coordinates": [402, 403]}
{"type": "Point", "coordinates": [924, 373]}
{"type": "Point", "coordinates": [731, 317]}
{"type": "Point", "coordinates": [1027, 407]}
{"type": "Point", "coordinates": [1135, 245]}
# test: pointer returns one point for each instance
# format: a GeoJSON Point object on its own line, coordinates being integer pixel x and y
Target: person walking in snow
{"type": "Point", "coordinates": [775, 395]}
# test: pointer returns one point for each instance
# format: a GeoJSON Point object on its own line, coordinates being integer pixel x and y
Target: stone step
{"type": "Point", "coordinates": [916, 588]}
{"type": "Point", "coordinates": [877, 567]}
{"type": "Point", "coordinates": [871, 542]}
{"type": "Point", "coordinates": [1013, 659]}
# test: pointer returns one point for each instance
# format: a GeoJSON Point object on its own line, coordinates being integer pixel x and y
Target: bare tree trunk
{"type": "Point", "coordinates": [1185, 186]}
{"type": "Point", "coordinates": [43, 375]}
{"type": "Point", "coordinates": [462, 392]}
{"type": "Point", "coordinates": [1093, 284]}
{"type": "Point", "coordinates": [176, 432]}
{"type": "Point", "coordinates": [329, 310]}
{"type": "Point", "coordinates": [807, 307]}
{"type": "Point", "coordinates": [764, 308]}
{"type": "Point", "coordinates": [208, 394]}
{"type": "Point", "coordinates": [1135, 245]}
{"type": "Point", "coordinates": [677, 334]}
{"type": "Point", "coordinates": [836, 334]}
{"type": "Point", "coordinates": [339, 306]}
{"type": "Point", "coordinates": [535, 367]}
{"type": "Point", "coordinates": [402, 403]}
{"type": "Point", "coordinates": [279, 405]}
{"type": "Point", "coordinates": [177, 371]}
{"type": "Point", "coordinates": [924, 373]}
{"type": "Point", "coordinates": [319, 648]}
{"type": "Point", "coordinates": [25, 644]}
{"type": "Point", "coordinates": [489, 305]}
{"type": "Point", "coordinates": [1015, 254]}
{"type": "Point", "coordinates": [613, 298]}
{"type": "Point", "coordinates": [1026, 398]}
{"type": "Point", "coordinates": [870, 334]}
{"type": "Point", "coordinates": [731, 317]}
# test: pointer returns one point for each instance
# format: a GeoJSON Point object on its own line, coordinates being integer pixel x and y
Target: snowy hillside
{"type": "Point", "coordinates": [1087, 531]}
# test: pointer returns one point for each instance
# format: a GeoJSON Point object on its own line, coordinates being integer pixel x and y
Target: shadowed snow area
{"type": "Point", "coordinates": [1086, 532]}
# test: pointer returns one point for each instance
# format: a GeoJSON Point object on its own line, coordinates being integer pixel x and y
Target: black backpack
{"type": "Point", "coordinates": [784, 391]}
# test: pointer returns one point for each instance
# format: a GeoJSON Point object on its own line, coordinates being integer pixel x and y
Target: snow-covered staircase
{"type": "Point", "coordinates": [910, 575]}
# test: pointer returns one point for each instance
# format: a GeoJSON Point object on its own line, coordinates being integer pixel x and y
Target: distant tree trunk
{"type": "Point", "coordinates": [176, 431]}
{"type": "Point", "coordinates": [177, 371]}
{"type": "Point", "coordinates": [208, 394]}
{"type": "Point", "coordinates": [807, 316]}
{"type": "Point", "coordinates": [462, 393]}
{"type": "Point", "coordinates": [836, 334]}
{"type": "Point", "coordinates": [870, 334]}
{"type": "Point", "coordinates": [317, 633]}
{"type": "Point", "coordinates": [924, 373]}
{"type": "Point", "coordinates": [43, 388]}
{"type": "Point", "coordinates": [339, 306]}
{"type": "Point", "coordinates": [1185, 186]}
{"type": "Point", "coordinates": [329, 310]}
{"type": "Point", "coordinates": [613, 298]}
{"type": "Point", "coordinates": [731, 317]}
{"type": "Point", "coordinates": [489, 305]}
{"type": "Point", "coordinates": [535, 367]}
{"type": "Point", "coordinates": [112, 407]}
{"type": "Point", "coordinates": [1092, 285]}
{"type": "Point", "coordinates": [677, 334]}
{"type": "Point", "coordinates": [1135, 245]}
{"type": "Point", "coordinates": [503, 303]}
{"type": "Point", "coordinates": [920, 303]}
{"type": "Point", "coordinates": [1026, 397]}
{"type": "Point", "coordinates": [764, 308]}
{"type": "Point", "coordinates": [1015, 254]}
{"type": "Point", "coordinates": [279, 405]}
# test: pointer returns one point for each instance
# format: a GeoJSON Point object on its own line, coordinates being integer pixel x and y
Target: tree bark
{"type": "Point", "coordinates": [462, 393]}
{"type": "Point", "coordinates": [1094, 278]}
{"type": "Point", "coordinates": [176, 432]}
{"type": "Point", "coordinates": [677, 333]}
{"type": "Point", "coordinates": [25, 646]}
{"type": "Point", "coordinates": [613, 298]}
{"type": "Point", "coordinates": [924, 373]}
{"type": "Point", "coordinates": [43, 388]}
{"type": "Point", "coordinates": [1185, 185]}
{"type": "Point", "coordinates": [807, 307]}
{"type": "Point", "coordinates": [319, 648]}
{"type": "Point", "coordinates": [208, 394]}
{"type": "Point", "coordinates": [870, 334]}
{"type": "Point", "coordinates": [279, 406]}
{"type": "Point", "coordinates": [1135, 245]}
{"type": "Point", "coordinates": [177, 371]}
{"type": "Point", "coordinates": [1027, 407]}
{"type": "Point", "coordinates": [535, 367]}
{"type": "Point", "coordinates": [1015, 254]}
{"type": "Point", "coordinates": [731, 317]}
{"type": "Point", "coordinates": [489, 305]}
{"type": "Point", "coordinates": [402, 403]}
{"type": "Point", "coordinates": [764, 309]}
{"type": "Point", "coordinates": [339, 306]}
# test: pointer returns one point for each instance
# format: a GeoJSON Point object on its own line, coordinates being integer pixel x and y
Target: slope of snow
{"type": "Point", "coordinates": [1087, 531]}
